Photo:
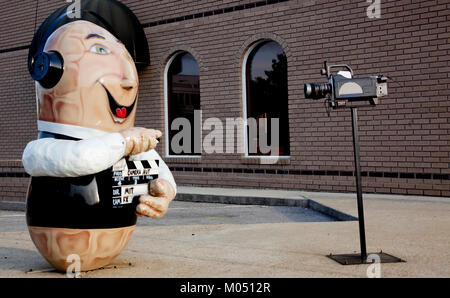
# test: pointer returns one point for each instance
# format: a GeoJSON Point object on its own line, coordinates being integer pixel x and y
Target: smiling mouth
{"type": "Point", "coordinates": [119, 112]}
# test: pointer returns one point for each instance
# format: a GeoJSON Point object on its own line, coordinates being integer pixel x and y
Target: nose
{"type": "Point", "coordinates": [128, 84]}
{"type": "Point", "coordinates": [129, 80]}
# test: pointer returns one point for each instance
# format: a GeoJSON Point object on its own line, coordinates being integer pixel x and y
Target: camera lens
{"type": "Point", "coordinates": [317, 91]}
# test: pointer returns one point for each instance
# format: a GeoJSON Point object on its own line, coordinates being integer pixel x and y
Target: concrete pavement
{"type": "Point", "coordinates": [226, 240]}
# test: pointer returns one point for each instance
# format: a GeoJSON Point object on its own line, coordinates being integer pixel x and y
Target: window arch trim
{"type": "Point", "coordinates": [247, 54]}
{"type": "Point", "coordinates": [166, 106]}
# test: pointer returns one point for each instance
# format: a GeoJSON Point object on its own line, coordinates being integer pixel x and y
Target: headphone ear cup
{"type": "Point", "coordinates": [47, 68]}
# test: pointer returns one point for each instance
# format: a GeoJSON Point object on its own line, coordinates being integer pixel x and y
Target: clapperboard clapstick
{"type": "Point", "coordinates": [131, 178]}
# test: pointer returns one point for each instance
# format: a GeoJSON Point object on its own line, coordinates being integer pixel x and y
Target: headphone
{"type": "Point", "coordinates": [47, 68]}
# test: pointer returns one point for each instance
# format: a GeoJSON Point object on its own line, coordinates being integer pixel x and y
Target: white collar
{"type": "Point", "coordinates": [74, 131]}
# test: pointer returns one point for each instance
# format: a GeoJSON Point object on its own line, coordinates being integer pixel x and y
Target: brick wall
{"type": "Point", "coordinates": [404, 141]}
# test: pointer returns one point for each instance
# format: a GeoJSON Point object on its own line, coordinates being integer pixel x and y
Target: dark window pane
{"type": "Point", "coordinates": [267, 92]}
{"type": "Point", "coordinates": [183, 94]}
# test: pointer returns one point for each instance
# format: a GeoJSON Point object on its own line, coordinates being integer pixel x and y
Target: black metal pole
{"type": "Point", "coordinates": [362, 233]}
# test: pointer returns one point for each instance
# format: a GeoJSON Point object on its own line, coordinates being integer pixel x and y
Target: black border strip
{"type": "Point", "coordinates": [428, 176]}
{"type": "Point", "coordinates": [14, 174]}
{"type": "Point", "coordinates": [14, 49]}
{"type": "Point", "coordinates": [212, 12]}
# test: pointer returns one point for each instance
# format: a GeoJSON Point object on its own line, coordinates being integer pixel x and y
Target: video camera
{"type": "Point", "coordinates": [342, 88]}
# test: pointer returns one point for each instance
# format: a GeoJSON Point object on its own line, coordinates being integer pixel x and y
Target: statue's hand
{"type": "Point", "coordinates": [156, 204]}
{"type": "Point", "coordinates": [139, 139]}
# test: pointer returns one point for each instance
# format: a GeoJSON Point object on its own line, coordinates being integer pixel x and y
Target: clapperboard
{"type": "Point", "coordinates": [131, 178]}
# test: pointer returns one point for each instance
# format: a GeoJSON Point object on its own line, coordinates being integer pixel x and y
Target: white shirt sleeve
{"type": "Point", "coordinates": [67, 158]}
{"type": "Point", "coordinates": [164, 171]}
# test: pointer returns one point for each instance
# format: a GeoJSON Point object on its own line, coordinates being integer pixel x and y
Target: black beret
{"type": "Point", "coordinates": [112, 15]}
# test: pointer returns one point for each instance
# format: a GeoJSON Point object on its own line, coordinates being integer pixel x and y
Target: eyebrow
{"type": "Point", "coordinates": [94, 36]}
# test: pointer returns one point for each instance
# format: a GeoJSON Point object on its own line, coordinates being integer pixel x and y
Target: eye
{"type": "Point", "coordinates": [99, 49]}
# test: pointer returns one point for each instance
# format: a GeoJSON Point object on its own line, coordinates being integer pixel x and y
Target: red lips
{"type": "Point", "coordinates": [121, 113]}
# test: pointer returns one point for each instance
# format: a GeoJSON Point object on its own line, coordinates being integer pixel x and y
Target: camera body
{"type": "Point", "coordinates": [342, 88]}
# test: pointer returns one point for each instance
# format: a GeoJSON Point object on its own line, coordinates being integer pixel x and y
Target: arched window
{"type": "Point", "coordinates": [266, 96]}
{"type": "Point", "coordinates": [182, 95]}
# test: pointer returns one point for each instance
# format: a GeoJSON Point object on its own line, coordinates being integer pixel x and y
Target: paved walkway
{"type": "Point", "coordinates": [416, 229]}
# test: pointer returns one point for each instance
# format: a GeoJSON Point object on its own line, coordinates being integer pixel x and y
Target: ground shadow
{"type": "Point", "coordinates": [22, 262]}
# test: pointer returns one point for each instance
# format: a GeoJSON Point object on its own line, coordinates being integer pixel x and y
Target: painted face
{"type": "Point", "coordinates": [99, 86]}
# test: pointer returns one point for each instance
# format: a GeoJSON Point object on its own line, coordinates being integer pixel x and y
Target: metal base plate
{"type": "Point", "coordinates": [355, 259]}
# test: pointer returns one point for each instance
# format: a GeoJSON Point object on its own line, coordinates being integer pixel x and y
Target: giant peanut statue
{"type": "Point", "coordinates": [92, 172]}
